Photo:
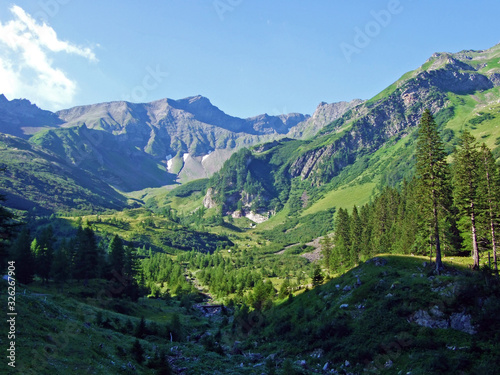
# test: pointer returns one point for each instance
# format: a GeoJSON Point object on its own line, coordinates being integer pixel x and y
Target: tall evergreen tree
{"type": "Point", "coordinates": [408, 221]}
{"type": "Point", "coordinates": [317, 278]}
{"type": "Point", "coordinates": [116, 254]}
{"type": "Point", "coordinates": [8, 225]}
{"type": "Point", "coordinates": [366, 235]}
{"type": "Point", "coordinates": [326, 251]}
{"type": "Point", "coordinates": [490, 190]}
{"type": "Point", "coordinates": [356, 232]}
{"type": "Point", "coordinates": [45, 253]}
{"type": "Point", "coordinates": [87, 254]}
{"type": "Point", "coordinates": [383, 216]}
{"type": "Point", "coordinates": [24, 258]}
{"type": "Point", "coordinates": [432, 177]}
{"type": "Point", "coordinates": [341, 240]}
{"type": "Point", "coordinates": [61, 265]}
{"type": "Point", "coordinates": [466, 180]}
{"type": "Point", "coordinates": [131, 264]}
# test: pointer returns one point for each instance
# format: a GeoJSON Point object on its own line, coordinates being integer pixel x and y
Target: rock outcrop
{"type": "Point", "coordinates": [435, 318]}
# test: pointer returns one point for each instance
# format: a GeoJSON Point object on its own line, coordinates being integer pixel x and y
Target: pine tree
{"type": "Point", "coordinates": [317, 278]}
{"type": "Point", "coordinates": [8, 225]}
{"type": "Point", "coordinates": [490, 190]}
{"type": "Point", "coordinates": [21, 253]}
{"type": "Point", "coordinates": [326, 251]}
{"type": "Point", "coordinates": [366, 235]}
{"type": "Point", "coordinates": [116, 254]}
{"type": "Point", "coordinates": [341, 240]}
{"type": "Point", "coordinates": [381, 224]}
{"type": "Point", "coordinates": [356, 233]}
{"type": "Point", "coordinates": [284, 289]}
{"type": "Point", "coordinates": [45, 253]}
{"type": "Point", "coordinates": [432, 178]}
{"type": "Point", "coordinates": [61, 265]}
{"type": "Point", "coordinates": [407, 228]}
{"type": "Point", "coordinates": [137, 351]}
{"type": "Point", "coordinates": [466, 180]}
{"type": "Point", "coordinates": [141, 329]}
{"type": "Point", "coordinates": [87, 255]}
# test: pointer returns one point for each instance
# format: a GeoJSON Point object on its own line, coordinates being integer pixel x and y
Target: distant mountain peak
{"type": "Point", "coordinates": [19, 117]}
{"type": "Point", "coordinates": [197, 98]}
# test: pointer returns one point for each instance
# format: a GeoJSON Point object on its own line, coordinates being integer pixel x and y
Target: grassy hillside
{"type": "Point", "coordinates": [380, 317]}
{"type": "Point", "coordinates": [119, 164]}
{"type": "Point", "coordinates": [37, 179]}
{"type": "Point", "coordinates": [163, 232]}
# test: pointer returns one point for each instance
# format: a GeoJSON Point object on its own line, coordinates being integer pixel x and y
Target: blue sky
{"type": "Point", "coordinates": [248, 57]}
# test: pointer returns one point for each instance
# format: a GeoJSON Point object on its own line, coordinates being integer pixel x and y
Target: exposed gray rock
{"type": "Point", "coordinates": [422, 318]}
{"type": "Point", "coordinates": [435, 312]}
{"type": "Point", "coordinates": [437, 319]}
{"type": "Point", "coordinates": [377, 261]}
{"type": "Point", "coordinates": [462, 322]}
{"type": "Point", "coordinates": [21, 118]}
{"type": "Point", "coordinates": [323, 115]}
{"type": "Point", "coordinates": [208, 201]}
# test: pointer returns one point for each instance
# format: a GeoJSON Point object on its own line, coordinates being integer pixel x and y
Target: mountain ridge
{"type": "Point", "coordinates": [356, 148]}
{"type": "Point", "coordinates": [172, 139]}
{"type": "Point", "coordinates": [190, 138]}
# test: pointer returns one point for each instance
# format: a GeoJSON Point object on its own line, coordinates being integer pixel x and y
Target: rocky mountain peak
{"type": "Point", "coordinates": [324, 114]}
{"type": "Point", "coordinates": [19, 117]}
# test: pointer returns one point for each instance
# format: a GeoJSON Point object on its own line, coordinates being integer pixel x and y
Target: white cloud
{"type": "Point", "coordinates": [26, 67]}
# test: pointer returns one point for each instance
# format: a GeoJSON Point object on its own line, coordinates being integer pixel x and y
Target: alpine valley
{"type": "Point", "coordinates": [170, 237]}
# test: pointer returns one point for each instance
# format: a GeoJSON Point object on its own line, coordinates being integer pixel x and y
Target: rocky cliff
{"type": "Point", "coordinates": [396, 112]}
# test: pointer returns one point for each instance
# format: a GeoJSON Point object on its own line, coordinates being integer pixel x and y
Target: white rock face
{"type": "Point", "coordinates": [208, 201]}
{"type": "Point", "coordinates": [256, 218]}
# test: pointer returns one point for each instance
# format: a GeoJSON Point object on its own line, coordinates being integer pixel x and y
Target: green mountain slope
{"type": "Point", "coordinates": [117, 163]}
{"type": "Point", "coordinates": [387, 316]}
{"type": "Point", "coordinates": [34, 178]}
{"type": "Point", "coordinates": [372, 144]}
{"type": "Point", "coordinates": [390, 315]}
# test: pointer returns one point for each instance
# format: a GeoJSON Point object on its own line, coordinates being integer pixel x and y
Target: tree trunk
{"type": "Point", "coordinates": [475, 250]}
{"type": "Point", "coordinates": [492, 221]}
{"type": "Point", "coordinates": [439, 263]}
{"type": "Point", "coordinates": [493, 240]}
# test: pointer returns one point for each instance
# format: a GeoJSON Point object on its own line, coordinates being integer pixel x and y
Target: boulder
{"type": "Point", "coordinates": [462, 322]}
{"type": "Point", "coordinates": [377, 261]}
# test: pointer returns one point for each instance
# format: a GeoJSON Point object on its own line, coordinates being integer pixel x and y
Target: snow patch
{"type": "Point", "coordinates": [185, 156]}
{"type": "Point", "coordinates": [206, 156]}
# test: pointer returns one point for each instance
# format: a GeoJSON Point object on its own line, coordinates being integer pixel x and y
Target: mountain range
{"type": "Point", "coordinates": [134, 146]}
{"type": "Point", "coordinates": [370, 145]}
